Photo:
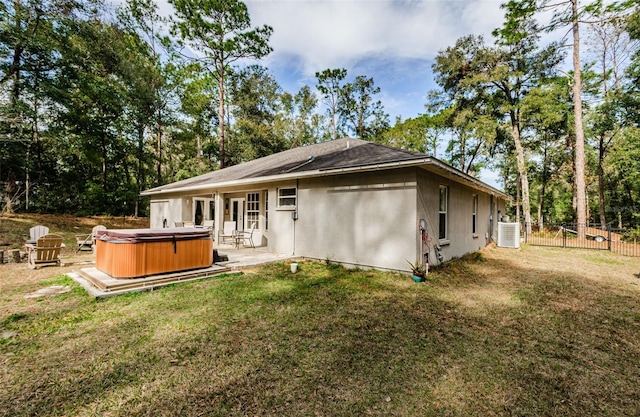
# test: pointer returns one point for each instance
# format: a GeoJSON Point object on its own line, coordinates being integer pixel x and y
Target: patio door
{"type": "Point", "coordinates": [236, 212]}
{"type": "Point", "coordinates": [203, 209]}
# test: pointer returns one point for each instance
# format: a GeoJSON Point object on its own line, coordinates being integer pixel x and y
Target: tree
{"type": "Point", "coordinates": [255, 96]}
{"type": "Point", "coordinates": [329, 85]}
{"type": "Point", "coordinates": [570, 13]}
{"type": "Point", "coordinates": [520, 66]}
{"type": "Point", "coordinates": [485, 87]}
{"type": "Point", "coordinates": [418, 134]}
{"type": "Point", "coordinates": [359, 113]}
{"type": "Point", "coordinates": [547, 108]}
{"type": "Point", "coordinates": [148, 87]}
{"type": "Point", "coordinates": [220, 30]}
{"type": "Point", "coordinates": [465, 103]}
{"type": "Point", "coordinates": [611, 48]}
{"type": "Point", "coordinates": [141, 17]}
{"type": "Point", "coordinates": [197, 97]}
{"type": "Point", "coordinates": [297, 122]}
{"type": "Point", "coordinates": [28, 45]}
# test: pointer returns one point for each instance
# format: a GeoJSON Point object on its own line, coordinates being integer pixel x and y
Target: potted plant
{"type": "Point", "coordinates": [418, 271]}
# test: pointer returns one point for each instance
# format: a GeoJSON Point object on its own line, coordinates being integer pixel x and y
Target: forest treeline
{"type": "Point", "coordinates": [100, 102]}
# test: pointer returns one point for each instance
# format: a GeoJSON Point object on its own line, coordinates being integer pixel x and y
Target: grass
{"type": "Point", "coordinates": [538, 331]}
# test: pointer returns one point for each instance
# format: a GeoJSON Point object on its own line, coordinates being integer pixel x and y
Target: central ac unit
{"type": "Point", "coordinates": [509, 235]}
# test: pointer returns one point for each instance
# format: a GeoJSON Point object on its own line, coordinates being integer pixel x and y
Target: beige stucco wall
{"type": "Point", "coordinates": [364, 219]}
{"type": "Point", "coordinates": [169, 208]}
{"type": "Point", "coordinates": [279, 236]}
{"type": "Point", "coordinates": [368, 219]}
{"type": "Point", "coordinates": [460, 237]}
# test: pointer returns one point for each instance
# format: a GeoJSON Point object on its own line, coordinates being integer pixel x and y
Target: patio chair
{"type": "Point", "coordinates": [46, 251]}
{"type": "Point", "coordinates": [246, 238]}
{"type": "Point", "coordinates": [36, 231]}
{"type": "Point", "coordinates": [188, 223]}
{"type": "Point", "coordinates": [207, 224]}
{"type": "Point", "coordinates": [86, 242]}
{"type": "Point", "coordinates": [228, 232]}
{"type": "Point", "coordinates": [178, 224]}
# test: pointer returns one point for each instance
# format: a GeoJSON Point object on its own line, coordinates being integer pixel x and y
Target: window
{"type": "Point", "coordinates": [253, 209]}
{"type": "Point", "coordinates": [287, 198]}
{"type": "Point", "coordinates": [444, 202]}
{"type": "Point", "coordinates": [474, 215]}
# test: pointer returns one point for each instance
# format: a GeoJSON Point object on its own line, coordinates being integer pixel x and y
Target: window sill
{"type": "Point", "coordinates": [444, 242]}
{"type": "Point", "coordinates": [290, 208]}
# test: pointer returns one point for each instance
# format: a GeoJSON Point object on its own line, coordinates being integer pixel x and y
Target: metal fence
{"type": "Point", "coordinates": [573, 235]}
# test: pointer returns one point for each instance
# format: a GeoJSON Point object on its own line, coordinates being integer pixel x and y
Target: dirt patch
{"type": "Point", "coordinates": [49, 291]}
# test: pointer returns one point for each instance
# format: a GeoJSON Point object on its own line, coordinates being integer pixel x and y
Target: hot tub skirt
{"type": "Point", "coordinates": [134, 258]}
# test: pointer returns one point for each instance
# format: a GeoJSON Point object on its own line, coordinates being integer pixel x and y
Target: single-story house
{"type": "Point", "coordinates": [347, 200]}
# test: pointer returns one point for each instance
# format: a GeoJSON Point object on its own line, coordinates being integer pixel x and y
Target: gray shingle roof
{"type": "Point", "coordinates": [336, 154]}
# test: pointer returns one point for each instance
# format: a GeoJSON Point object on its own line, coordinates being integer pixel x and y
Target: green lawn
{"type": "Point", "coordinates": [532, 332]}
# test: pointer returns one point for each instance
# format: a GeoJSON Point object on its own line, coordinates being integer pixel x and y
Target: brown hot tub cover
{"type": "Point", "coordinates": [152, 235]}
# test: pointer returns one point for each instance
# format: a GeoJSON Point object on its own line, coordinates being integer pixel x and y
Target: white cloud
{"type": "Point", "coordinates": [330, 34]}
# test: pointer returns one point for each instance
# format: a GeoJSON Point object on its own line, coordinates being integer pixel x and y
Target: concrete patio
{"type": "Point", "coordinates": [244, 257]}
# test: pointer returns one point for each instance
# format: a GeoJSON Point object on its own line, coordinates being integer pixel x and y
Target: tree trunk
{"type": "Point", "coordinates": [603, 214]}
{"type": "Point", "coordinates": [522, 171]}
{"type": "Point", "coordinates": [16, 63]}
{"type": "Point", "coordinates": [159, 155]}
{"type": "Point", "coordinates": [139, 170]}
{"type": "Point", "coordinates": [221, 115]}
{"type": "Point", "coordinates": [543, 191]}
{"type": "Point", "coordinates": [198, 150]}
{"type": "Point", "coordinates": [581, 196]}
{"type": "Point", "coordinates": [518, 187]}
{"type": "Point", "coordinates": [540, 217]}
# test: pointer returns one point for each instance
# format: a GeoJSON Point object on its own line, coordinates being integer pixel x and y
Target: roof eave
{"type": "Point", "coordinates": [334, 171]}
{"type": "Point", "coordinates": [474, 182]}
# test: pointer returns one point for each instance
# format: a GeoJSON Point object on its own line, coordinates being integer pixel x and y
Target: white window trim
{"type": "Point", "coordinates": [249, 202]}
{"type": "Point", "coordinates": [279, 197]}
{"type": "Point", "coordinates": [474, 225]}
{"type": "Point", "coordinates": [444, 240]}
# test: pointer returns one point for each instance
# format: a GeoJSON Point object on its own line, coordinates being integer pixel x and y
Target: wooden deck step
{"type": "Point", "coordinates": [107, 283]}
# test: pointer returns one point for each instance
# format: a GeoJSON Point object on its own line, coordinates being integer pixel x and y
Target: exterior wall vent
{"type": "Point", "coordinates": [509, 235]}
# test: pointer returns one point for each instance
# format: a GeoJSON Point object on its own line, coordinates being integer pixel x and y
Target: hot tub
{"type": "Point", "coordinates": [134, 253]}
